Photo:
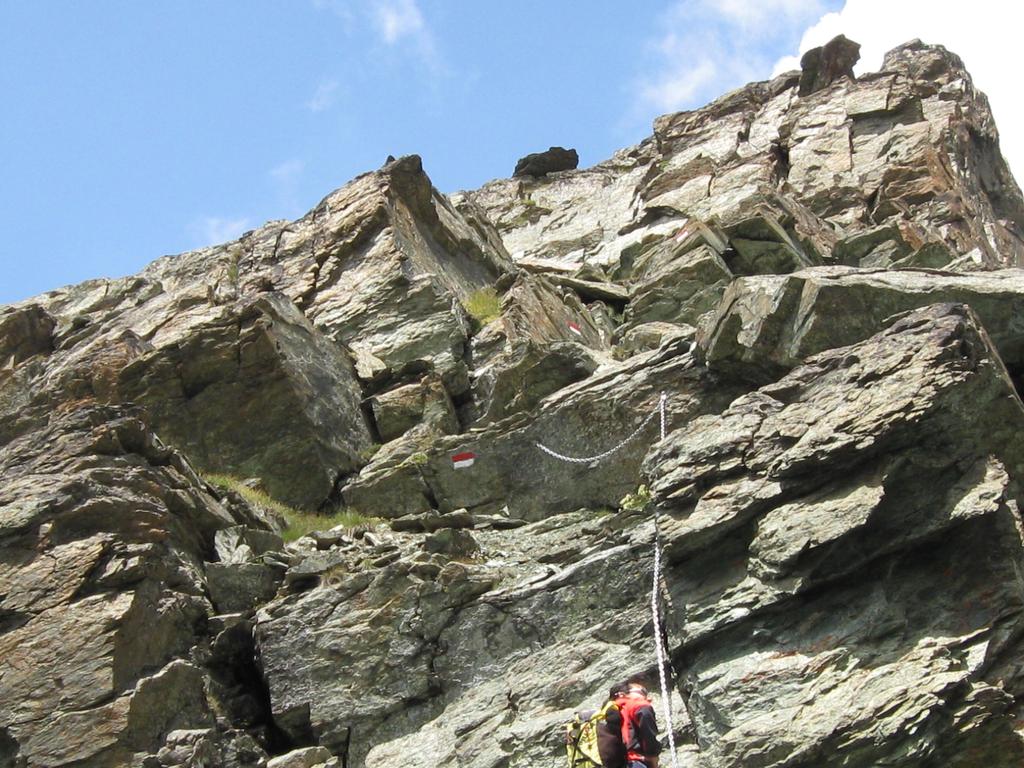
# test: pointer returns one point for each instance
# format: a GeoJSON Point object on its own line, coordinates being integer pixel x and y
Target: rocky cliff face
{"type": "Point", "coordinates": [823, 275]}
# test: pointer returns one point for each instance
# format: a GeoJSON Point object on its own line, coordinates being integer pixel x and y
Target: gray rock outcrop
{"type": "Point", "coordinates": [765, 325]}
{"type": "Point", "coordinates": [912, 147]}
{"type": "Point", "coordinates": [822, 275]}
{"type": "Point", "coordinates": [511, 474]}
{"type": "Point", "coordinates": [542, 163]}
{"type": "Point", "coordinates": [826, 534]}
{"type": "Point", "coordinates": [454, 658]}
{"type": "Point", "coordinates": [254, 389]}
{"type": "Point", "coordinates": [822, 66]}
{"type": "Point", "coordinates": [249, 355]}
{"type": "Point", "coordinates": [103, 532]}
{"type": "Point", "coordinates": [822, 540]}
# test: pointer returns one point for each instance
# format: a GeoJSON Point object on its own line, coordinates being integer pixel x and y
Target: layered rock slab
{"type": "Point", "coordinates": [767, 324]}
{"type": "Point", "coordinates": [103, 534]}
{"type": "Point", "coordinates": [381, 264]}
{"type": "Point", "coordinates": [911, 147]}
{"type": "Point", "coordinates": [511, 474]}
{"type": "Point", "coordinates": [397, 650]}
{"type": "Point", "coordinates": [843, 552]}
{"type": "Point", "coordinates": [384, 264]}
{"type": "Point", "coordinates": [254, 389]}
{"type": "Point", "coordinates": [242, 351]}
{"type": "Point", "coordinates": [545, 339]}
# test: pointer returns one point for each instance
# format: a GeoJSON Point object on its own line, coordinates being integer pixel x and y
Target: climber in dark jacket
{"type": "Point", "coordinates": [639, 726]}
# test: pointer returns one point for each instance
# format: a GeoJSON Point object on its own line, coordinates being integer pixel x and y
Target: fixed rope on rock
{"type": "Point", "coordinates": [659, 644]}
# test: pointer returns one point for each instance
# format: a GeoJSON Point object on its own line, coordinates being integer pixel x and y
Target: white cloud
{"type": "Point", "coordinates": [324, 96]}
{"type": "Point", "coordinates": [707, 47]}
{"type": "Point", "coordinates": [397, 19]}
{"type": "Point", "coordinates": [985, 34]}
{"type": "Point", "coordinates": [213, 230]}
{"type": "Point", "coordinates": [678, 85]}
{"type": "Point", "coordinates": [401, 23]}
{"type": "Point", "coordinates": [754, 17]}
{"type": "Point", "coordinates": [785, 64]}
{"type": "Point", "coordinates": [398, 26]}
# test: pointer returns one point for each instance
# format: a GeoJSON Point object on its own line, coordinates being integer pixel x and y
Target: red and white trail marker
{"type": "Point", "coordinates": [575, 329]}
{"type": "Point", "coordinates": [463, 460]}
{"type": "Point", "coordinates": [683, 234]}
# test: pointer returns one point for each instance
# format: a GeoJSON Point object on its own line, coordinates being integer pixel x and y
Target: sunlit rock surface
{"type": "Point", "coordinates": [823, 276]}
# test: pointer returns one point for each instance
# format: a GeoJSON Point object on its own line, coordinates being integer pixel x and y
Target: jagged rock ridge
{"type": "Point", "coordinates": [825, 282]}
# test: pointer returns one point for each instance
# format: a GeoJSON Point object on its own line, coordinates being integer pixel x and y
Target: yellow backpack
{"type": "Point", "coordinates": [588, 735]}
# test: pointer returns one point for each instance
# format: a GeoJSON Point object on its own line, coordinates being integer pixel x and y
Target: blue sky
{"type": "Point", "coordinates": [136, 129]}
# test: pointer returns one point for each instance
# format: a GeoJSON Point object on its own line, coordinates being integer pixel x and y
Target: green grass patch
{"type": "Point", "coordinates": [256, 498]}
{"type": "Point", "coordinates": [301, 523]}
{"type": "Point", "coordinates": [418, 459]}
{"type": "Point", "coordinates": [636, 502]}
{"type": "Point", "coordinates": [483, 306]}
{"type": "Point", "coordinates": [297, 522]}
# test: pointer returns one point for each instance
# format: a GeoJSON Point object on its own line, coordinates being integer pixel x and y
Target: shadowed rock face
{"type": "Point", "coordinates": [24, 333]}
{"type": "Point", "coordinates": [103, 532]}
{"type": "Point", "coordinates": [257, 389]}
{"type": "Point", "coordinates": [825, 286]}
{"type": "Point", "coordinates": [767, 324]}
{"type": "Point", "coordinates": [542, 163]}
{"type": "Point", "coordinates": [822, 66]}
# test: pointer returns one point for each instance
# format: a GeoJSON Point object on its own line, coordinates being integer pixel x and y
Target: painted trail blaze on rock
{"type": "Point", "coordinates": [463, 460]}
{"type": "Point", "coordinates": [575, 328]}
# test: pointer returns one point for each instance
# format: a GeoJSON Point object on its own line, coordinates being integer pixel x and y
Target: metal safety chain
{"type": "Point", "coordinates": [659, 646]}
{"type": "Point", "coordinates": [598, 457]}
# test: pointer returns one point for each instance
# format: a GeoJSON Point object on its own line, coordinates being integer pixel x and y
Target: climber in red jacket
{"type": "Point", "coordinates": [639, 726]}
